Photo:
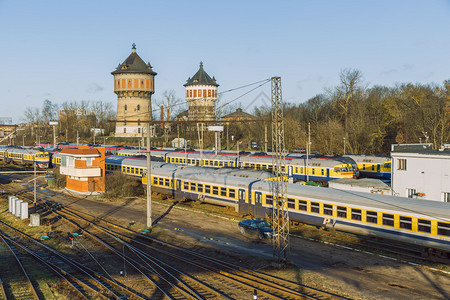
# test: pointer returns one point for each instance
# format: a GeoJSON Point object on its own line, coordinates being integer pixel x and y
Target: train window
{"type": "Point", "coordinates": [342, 212]}
{"type": "Point", "coordinates": [315, 207]}
{"type": "Point", "coordinates": [200, 187]}
{"type": "Point", "coordinates": [192, 186]}
{"type": "Point", "coordinates": [443, 228]}
{"type": "Point", "coordinates": [405, 222]}
{"type": "Point", "coordinates": [313, 171]}
{"type": "Point", "coordinates": [302, 205]}
{"type": "Point", "coordinates": [132, 170]}
{"type": "Point", "coordinates": [215, 190]}
{"type": "Point", "coordinates": [216, 163]}
{"type": "Point", "coordinates": [388, 219]}
{"type": "Point", "coordinates": [223, 192]}
{"type": "Point", "coordinates": [291, 203]}
{"type": "Point", "coordinates": [166, 182]}
{"type": "Point", "coordinates": [220, 163]}
{"type": "Point", "coordinates": [356, 214]}
{"type": "Point", "coordinates": [328, 209]}
{"type": "Point", "coordinates": [188, 161]}
{"type": "Point", "coordinates": [269, 200]}
{"type": "Point", "coordinates": [206, 162]}
{"type": "Point", "coordinates": [232, 193]}
{"type": "Point", "coordinates": [424, 225]}
{"type": "Point", "coordinates": [208, 189]}
{"type": "Point", "coordinates": [141, 171]}
{"type": "Point", "coordinates": [161, 181]}
{"type": "Point", "coordinates": [128, 169]}
{"type": "Point", "coordinates": [186, 185]}
{"type": "Point", "coordinates": [372, 217]}
{"type": "Point", "coordinates": [323, 171]}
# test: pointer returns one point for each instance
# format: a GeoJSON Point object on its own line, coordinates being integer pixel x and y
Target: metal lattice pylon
{"type": "Point", "coordinates": [280, 216]}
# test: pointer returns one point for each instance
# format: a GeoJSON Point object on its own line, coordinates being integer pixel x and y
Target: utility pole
{"type": "Point", "coordinates": [149, 180]}
{"type": "Point", "coordinates": [77, 138]}
{"type": "Point", "coordinates": [34, 193]}
{"type": "Point", "coordinates": [307, 151]}
{"type": "Point", "coordinates": [280, 216]}
{"type": "Point", "coordinates": [344, 145]}
{"type": "Point", "coordinates": [227, 138]}
{"type": "Point", "coordinates": [265, 139]}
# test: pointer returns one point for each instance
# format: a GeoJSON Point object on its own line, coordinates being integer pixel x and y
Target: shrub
{"type": "Point", "coordinates": [121, 185]}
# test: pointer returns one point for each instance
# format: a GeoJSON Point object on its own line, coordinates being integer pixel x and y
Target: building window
{"type": "Point", "coordinates": [126, 107]}
{"type": "Point", "coordinates": [410, 192]}
{"type": "Point", "coordinates": [89, 162]}
{"type": "Point", "coordinates": [138, 108]}
{"type": "Point", "coordinates": [446, 196]}
{"type": "Point", "coordinates": [129, 83]}
{"type": "Point", "coordinates": [118, 83]}
{"type": "Point", "coordinates": [139, 130]}
{"type": "Point", "coordinates": [139, 121]}
{"type": "Point", "coordinates": [142, 83]}
{"type": "Point", "coordinates": [124, 130]}
{"type": "Point", "coordinates": [195, 93]}
{"type": "Point", "coordinates": [199, 93]}
{"type": "Point", "coordinates": [190, 94]}
{"type": "Point", "coordinates": [401, 164]}
{"type": "Point", "coordinates": [209, 93]}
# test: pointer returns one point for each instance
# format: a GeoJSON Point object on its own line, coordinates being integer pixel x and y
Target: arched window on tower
{"type": "Point", "coordinates": [138, 107]}
{"type": "Point", "coordinates": [139, 122]}
{"type": "Point", "coordinates": [124, 123]}
{"type": "Point", "coordinates": [126, 107]}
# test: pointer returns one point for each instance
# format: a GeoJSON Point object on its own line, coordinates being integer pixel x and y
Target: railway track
{"type": "Point", "coordinates": [177, 273]}
{"type": "Point", "coordinates": [82, 281]}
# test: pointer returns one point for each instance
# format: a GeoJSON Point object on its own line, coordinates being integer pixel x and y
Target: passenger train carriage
{"type": "Point", "coordinates": [25, 156]}
{"type": "Point", "coordinates": [373, 166]}
{"type": "Point", "coordinates": [317, 169]}
{"type": "Point", "coordinates": [424, 223]}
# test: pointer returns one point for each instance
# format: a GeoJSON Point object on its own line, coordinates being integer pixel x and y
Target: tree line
{"type": "Point", "coordinates": [363, 119]}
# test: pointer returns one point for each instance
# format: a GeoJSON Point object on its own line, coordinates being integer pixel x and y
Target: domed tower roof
{"type": "Point", "coordinates": [134, 64]}
{"type": "Point", "coordinates": [201, 78]}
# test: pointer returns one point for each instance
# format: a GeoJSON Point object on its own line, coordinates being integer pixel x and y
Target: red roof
{"type": "Point", "coordinates": [80, 151]}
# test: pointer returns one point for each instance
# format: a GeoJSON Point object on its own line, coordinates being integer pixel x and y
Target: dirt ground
{"type": "Point", "coordinates": [345, 272]}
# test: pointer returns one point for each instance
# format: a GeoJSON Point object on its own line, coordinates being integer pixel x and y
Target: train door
{"type": "Point", "coordinates": [378, 170]}
{"type": "Point", "coordinates": [178, 193]}
{"type": "Point", "coordinates": [258, 211]}
{"type": "Point", "coordinates": [242, 205]}
{"type": "Point", "coordinates": [328, 174]}
{"type": "Point", "coordinates": [290, 171]}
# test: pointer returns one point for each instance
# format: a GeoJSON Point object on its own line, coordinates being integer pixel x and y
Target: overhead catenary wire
{"type": "Point", "coordinates": [260, 82]}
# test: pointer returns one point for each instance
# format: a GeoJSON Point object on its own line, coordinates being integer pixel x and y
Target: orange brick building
{"type": "Point", "coordinates": [84, 169]}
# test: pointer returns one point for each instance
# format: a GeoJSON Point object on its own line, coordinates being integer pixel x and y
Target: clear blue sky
{"type": "Point", "coordinates": [65, 50]}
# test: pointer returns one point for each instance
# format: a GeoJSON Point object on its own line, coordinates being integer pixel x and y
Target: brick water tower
{"type": "Point", "coordinates": [201, 96]}
{"type": "Point", "coordinates": [134, 86]}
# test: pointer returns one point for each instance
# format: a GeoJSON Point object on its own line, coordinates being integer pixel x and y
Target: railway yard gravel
{"type": "Point", "coordinates": [352, 274]}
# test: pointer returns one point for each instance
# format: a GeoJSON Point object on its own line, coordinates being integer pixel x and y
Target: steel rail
{"type": "Point", "coordinates": [239, 278]}
{"type": "Point", "coordinates": [50, 266]}
{"type": "Point", "coordinates": [22, 268]}
{"type": "Point", "coordinates": [63, 258]}
{"type": "Point", "coordinates": [134, 263]}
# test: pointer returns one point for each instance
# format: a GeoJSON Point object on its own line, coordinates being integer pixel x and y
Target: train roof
{"type": "Point", "coordinates": [26, 151]}
{"type": "Point", "coordinates": [422, 208]}
{"type": "Point", "coordinates": [369, 158]}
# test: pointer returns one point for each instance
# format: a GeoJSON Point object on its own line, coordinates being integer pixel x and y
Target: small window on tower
{"type": "Point", "coordinates": [142, 83]}
{"type": "Point", "coordinates": [139, 121]}
{"type": "Point", "coordinates": [209, 93]}
{"type": "Point", "coordinates": [125, 107]}
{"type": "Point", "coordinates": [138, 107]}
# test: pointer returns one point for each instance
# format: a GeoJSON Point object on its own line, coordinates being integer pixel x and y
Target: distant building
{"type": "Point", "coordinates": [134, 86]}
{"type": "Point", "coordinates": [238, 115]}
{"type": "Point", "coordinates": [201, 96]}
{"type": "Point", "coordinates": [420, 172]}
{"type": "Point", "coordinates": [84, 169]}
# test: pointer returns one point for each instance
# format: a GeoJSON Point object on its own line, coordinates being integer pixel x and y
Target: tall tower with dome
{"type": "Point", "coordinates": [201, 96]}
{"type": "Point", "coordinates": [134, 87]}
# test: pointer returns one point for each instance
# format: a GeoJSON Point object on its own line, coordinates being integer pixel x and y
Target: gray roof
{"type": "Point", "coordinates": [201, 78]}
{"type": "Point", "coordinates": [134, 64]}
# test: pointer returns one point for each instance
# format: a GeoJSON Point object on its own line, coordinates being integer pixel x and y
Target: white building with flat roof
{"type": "Point", "coordinates": [421, 172]}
